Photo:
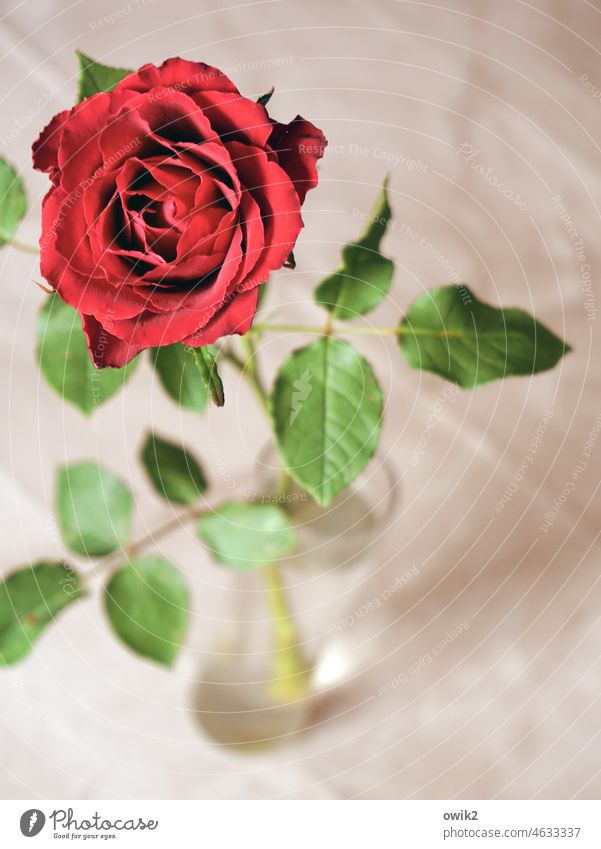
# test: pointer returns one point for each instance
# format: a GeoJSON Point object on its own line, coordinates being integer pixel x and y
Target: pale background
{"type": "Point", "coordinates": [511, 708]}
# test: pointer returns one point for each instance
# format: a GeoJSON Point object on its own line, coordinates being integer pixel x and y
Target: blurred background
{"type": "Point", "coordinates": [479, 676]}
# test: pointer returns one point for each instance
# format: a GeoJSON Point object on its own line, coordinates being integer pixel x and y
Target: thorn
{"type": "Point", "coordinates": [265, 98]}
{"type": "Point", "coordinates": [44, 289]}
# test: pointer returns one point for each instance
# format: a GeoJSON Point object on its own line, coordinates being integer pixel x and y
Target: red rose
{"type": "Point", "coordinates": [173, 198]}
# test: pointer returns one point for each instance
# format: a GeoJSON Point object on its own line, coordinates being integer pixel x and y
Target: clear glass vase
{"type": "Point", "coordinates": [278, 650]}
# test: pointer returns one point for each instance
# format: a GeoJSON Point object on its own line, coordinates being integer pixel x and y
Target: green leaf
{"type": "Point", "coordinates": [30, 599]}
{"type": "Point", "coordinates": [95, 77]}
{"type": "Point", "coordinates": [147, 604]}
{"type": "Point", "coordinates": [179, 377]}
{"type": "Point", "coordinates": [13, 203]}
{"type": "Point", "coordinates": [94, 509]}
{"type": "Point", "coordinates": [363, 277]}
{"type": "Point", "coordinates": [450, 332]}
{"type": "Point", "coordinates": [265, 98]}
{"type": "Point", "coordinates": [64, 359]}
{"type": "Point", "coordinates": [247, 536]}
{"type": "Point", "coordinates": [327, 410]}
{"type": "Point", "coordinates": [206, 363]}
{"type": "Point", "coordinates": [174, 472]}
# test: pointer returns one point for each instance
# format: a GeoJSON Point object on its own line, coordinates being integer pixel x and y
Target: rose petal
{"type": "Point", "coordinates": [106, 349]}
{"type": "Point", "coordinates": [89, 292]}
{"type": "Point", "coordinates": [253, 244]}
{"type": "Point", "coordinates": [179, 75]}
{"type": "Point", "coordinates": [278, 201]}
{"type": "Point", "coordinates": [202, 232]}
{"type": "Point", "coordinates": [206, 295]}
{"type": "Point", "coordinates": [45, 148]}
{"type": "Point", "coordinates": [171, 315]}
{"type": "Point", "coordinates": [79, 155]}
{"type": "Point", "coordinates": [234, 117]}
{"type": "Point", "coordinates": [299, 145]}
{"type": "Point", "coordinates": [235, 317]}
{"type": "Point", "coordinates": [70, 230]}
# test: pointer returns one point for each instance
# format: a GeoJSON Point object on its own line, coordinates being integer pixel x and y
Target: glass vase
{"type": "Point", "coordinates": [278, 650]}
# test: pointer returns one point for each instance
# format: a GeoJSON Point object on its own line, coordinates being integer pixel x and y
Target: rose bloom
{"type": "Point", "coordinates": [173, 198]}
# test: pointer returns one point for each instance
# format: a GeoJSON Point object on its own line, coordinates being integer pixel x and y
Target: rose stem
{"type": "Point", "coordinates": [26, 249]}
{"type": "Point", "coordinates": [291, 673]}
{"type": "Point", "coordinates": [328, 330]}
{"type": "Point", "coordinates": [250, 371]}
{"type": "Point", "coordinates": [135, 547]}
{"type": "Point", "coordinates": [290, 670]}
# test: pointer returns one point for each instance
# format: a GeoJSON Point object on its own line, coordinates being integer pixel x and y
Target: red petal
{"type": "Point", "coordinates": [79, 155]}
{"type": "Point", "coordinates": [88, 293]}
{"type": "Point", "coordinates": [235, 317]}
{"type": "Point", "coordinates": [235, 117]}
{"type": "Point", "coordinates": [105, 349]}
{"type": "Point", "coordinates": [270, 187]}
{"type": "Point", "coordinates": [179, 74]}
{"type": "Point", "coordinates": [45, 148]}
{"type": "Point", "coordinates": [254, 238]}
{"type": "Point", "coordinates": [299, 145]}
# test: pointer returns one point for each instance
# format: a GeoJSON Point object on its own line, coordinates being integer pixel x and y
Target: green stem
{"type": "Point", "coordinates": [26, 249]}
{"type": "Point", "coordinates": [343, 330]}
{"type": "Point", "coordinates": [248, 368]}
{"type": "Point", "coordinates": [231, 357]}
{"type": "Point", "coordinates": [329, 330]}
{"type": "Point", "coordinates": [290, 670]}
{"type": "Point", "coordinates": [284, 483]}
{"type": "Point", "coordinates": [134, 548]}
